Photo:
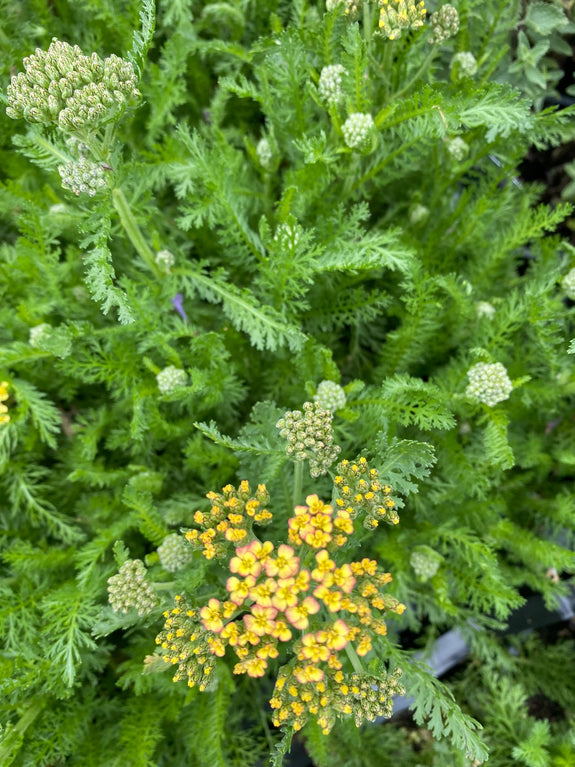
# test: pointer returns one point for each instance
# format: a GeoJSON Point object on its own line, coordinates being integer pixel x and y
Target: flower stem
{"type": "Point", "coordinates": [128, 221]}
{"type": "Point", "coordinates": [353, 656]}
{"type": "Point", "coordinates": [297, 482]}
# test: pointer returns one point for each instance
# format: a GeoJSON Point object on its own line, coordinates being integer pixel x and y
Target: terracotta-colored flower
{"type": "Point", "coordinates": [324, 565]}
{"type": "Point", "coordinates": [281, 631]}
{"type": "Point", "coordinates": [298, 615]}
{"type": "Point", "coordinates": [211, 616]}
{"type": "Point", "coordinates": [261, 620]}
{"type": "Point", "coordinates": [313, 650]}
{"type": "Point", "coordinates": [344, 578]}
{"type": "Point", "coordinates": [263, 593]}
{"type": "Point", "coordinates": [239, 589]}
{"type": "Point", "coordinates": [286, 594]}
{"type": "Point", "coordinates": [245, 562]}
{"type": "Point", "coordinates": [285, 564]}
{"type": "Point", "coordinates": [336, 637]}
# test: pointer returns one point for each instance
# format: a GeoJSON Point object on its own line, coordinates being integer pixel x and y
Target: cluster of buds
{"type": "Point", "coordinates": [309, 436]}
{"type": "Point", "coordinates": [329, 85]}
{"type": "Point", "coordinates": [83, 177]}
{"type": "Point", "coordinates": [489, 384]}
{"type": "Point", "coordinates": [330, 396]}
{"type": "Point", "coordinates": [351, 6]}
{"type": "Point", "coordinates": [458, 148]}
{"type": "Point", "coordinates": [425, 562]}
{"type": "Point", "coordinates": [568, 284]}
{"type": "Point", "coordinates": [165, 260]}
{"type": "Point", "coordinates": [62, 86]}
{"type": "Point", "coordinates": [271, 597]}
{"type": "Point", "coordinates": [361, 492]}
{"type": "Point", "coordinates": [287, 235]}
{"type": "Point", "coordinates": [129, 588]}
{"type": "Point", "coordinates": [485, 309]}
{"type": "Point", "coordinates": [265, 153]}
{"type": "Point", "coordinates": [445, 23]}
{"type": "Point", "coordinates": [171, 378]}
{"type": "Point", "coordinates": [363, 696]}
{"type": "Point", "coordinates": [38, 334]}
{"type": "Point", "coordinates": [358, 130]}
{"type": "Point", "coordinates": [174, 553]}
{"type": "Point", "coordinates": [316, 526]}
{"type": "Point", "coordinates": [398, 15]}
{"type": "Point", "coordinates": [463, 64]}
{"type": "Point", "coordinates": [4, 417]}
{"type": "Point", "coordinates": [229, 520]}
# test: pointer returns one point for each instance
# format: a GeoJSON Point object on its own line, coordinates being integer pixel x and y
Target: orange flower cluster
{"type": "Point", "coordinates": [229, 521]}
{"type": "Point", "coordinates": [364, 696]}
{"type": "Point", "coordinates": [361, 492]}
{"type": "Point", "coordinates": [316, 526]}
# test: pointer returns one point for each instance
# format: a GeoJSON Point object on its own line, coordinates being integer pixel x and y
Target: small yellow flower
{"type": "Point", "coordinates": [261, 620]}
{"type": "Point", "coordinates": [285, 595]}
{"type": "Point", "coordinates": [324, 565]}
{"type": "Point", "coordinates": [211, 616]}
{"type": "Point", "coordinates": [298, 615]}
{"type": "Point", "coordinates": [4, 417]}
{"type": "Point", "coordinates": [285, 564]}
{"type": "Point", "coordinates": [245, 562]}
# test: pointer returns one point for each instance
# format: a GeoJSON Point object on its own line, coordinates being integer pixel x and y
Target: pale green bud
{"type": "Point", "coordinates": [489, 384]}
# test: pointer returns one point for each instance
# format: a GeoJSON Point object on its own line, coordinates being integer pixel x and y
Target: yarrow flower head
{"type": "Point", "coordinates": [330, 396]}
{"type": "Point", "coordinates": [129, 589]}
{"type": "Point", "coordinates": [425, 562]}
{"type": "Point", "coordinates": [275, 605]}
{"type": "Point", "coordinates": [358, 130]}
{"type": "Point", "coordinates": [38, 333]}
{"type": "Point", "coordinates": [458, 149]}
{"type": "Point", "coordinates": [174, 553]}
{"type": "Point", "coordinates": [171, 378]}
{"type": "Point", "coordinates": [463, 64]}
{"type": "Point", "coordinates": [229, 520]}
{"type": "Point", "coordinates": [62, 86]}
{"type": "Point", "coordinates": [309, 435]}
{"type": "Point", "coordinates": [445, 23]}
{"type": "Point", "coordinates": [568, 284]}
{"type": "Point", "coordinates": [265, 153]}
{"type": "Point", "coordinates": [329, 85]}
{"type": "Point", "coordinates": [398, 15]}
{"type": "Point", "coordinates": [165, 260]}
{"type": "Point", "coordinates": [485, 309]}
{"type": "Point", "coordinates": [361, 492]}
{"type": "Point", "coordinates": [489, 384]}
{"type": "Point", "coordinates": [4, 417]}
{"type": "Point", "coordinates": [83, 177]}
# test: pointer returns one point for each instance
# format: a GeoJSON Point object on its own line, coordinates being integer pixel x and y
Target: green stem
{"type": "Point", "coordinates": [128, 221]}
{"type": "Point", "coordinates": [355, 661]}
{"type": "Point", "coordinates": [297, 482]}
{"type": "Point", "coordinates": [13, 737]}
{"type": "Point", "coordinates": [417, 75]}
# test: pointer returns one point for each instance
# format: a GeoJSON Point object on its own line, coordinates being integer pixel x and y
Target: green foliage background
{"type": "Point", "coordinates": [369, 294]}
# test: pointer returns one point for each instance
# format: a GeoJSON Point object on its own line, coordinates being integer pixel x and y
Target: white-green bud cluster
{"type": "Point", "coordinates": [329, 85]}
{"type": "Point", "coordinates": [445, 23]}
{"type": "Point", "coordinates": [398, 15]}
{"type": "Point", "coordinates": [425, 562]}
{"type": "Point", "coordinates": [489, 384]}
{"type": "Point", "coordinates": [375, 696]}
{"type": "Point", "coordinates": [351, 6]}
{"type": "Point", "coordinates": [485, 309]}
{"type": "Point", "coordinates": [174, 553]}
{"type": "Point", "coordinates": [358, 130]}
{"type": "Point", "coordinates": [171, 378]}
{"type": "Point", "coordinates": [287, 236]}
{"type": "Point", "coordinates": [309, 435]}
{"type": "Point", "coordinates": [129, 589]}
{"type": "Point", "coordinates": [264, 153]}
{"type": "Point", "coordinates": [62, 86]}
{"type": "Point", "coordinates": [464, 64]}
{"type": "Point", "coordinates": [83, 177]}
{"type": "Point", "coordinates": [330, 396]}
{"type": "Point", "coordinates": [38, 333]}
{"type": "Point", "coordinates": [165, 259]}
{"type": "Point", "coordinates": [458, 149]}
{"type": "Point", "coordinates": [418, 214]}
{"type": "Point", "coordinates": [568, 284]}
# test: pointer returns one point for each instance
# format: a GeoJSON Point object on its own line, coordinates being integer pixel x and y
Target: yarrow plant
{"type": "Point", "coordinates": [488, 383]}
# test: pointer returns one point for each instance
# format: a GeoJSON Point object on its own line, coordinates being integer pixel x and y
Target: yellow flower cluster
{"type": "Point", "coordinates": [361, 492]}
{"type": "Point", "coordinates": [397, 15]}
{"type": "Point", "coordinates": [229, 520]}
{"type": "Point", "coordinates": [269, 595]}
{"type": "Point", "coordinates": [316, 526]}
{"type": "Point", "coordinates": [4, 417]}
{"type": "Point", "coordinates": [363, 696]}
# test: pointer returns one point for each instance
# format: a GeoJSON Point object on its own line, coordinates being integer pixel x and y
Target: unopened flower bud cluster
{"type": "Point", "coordinates": [485, 309]}
{"type": "Point", "coordinates": [358, 130]}
{"type": "Point", "coordinates": [174, 553]}
{"type": "Point", "coordinates": [264, 153]}
{"type": "Point", "coordinates": [351, 6]}
{"type": "Point", "coordinates": [568, 284]}
{"type": "Point", "coordinates": [287, 236]}
{"type": "Point", "coordinates": [83, 177]}
{"type": "Point", "coordinates": [330, 81]}
{"type": "Point", "coordinates": [458, 149]}
{"type": "Point", "coordinates": [4, 417]}
{"type": "Point", "coordinates": [361, 492]}
{"type": "Point", "coordinates": [445, 23]}
{"type": "Point", "coordinates": [38, 334]}
{"type": "Point", "coordinates": [304, 603]}
{"type": "Point", "coordinates": [129, 589]}
{"type": "Point", "coordinates": [396, 16]}
{"type": "Point", "coordinates": [165, 259]}
{"type": "Point", "coordinates": [330, 396]}
{"type": "Point", "coordinates": [62, 86]}
{"type": "Point", "coordinates": [309, 436]}
{"type": "Point", "coordinates": [489, 384]}
{"type": "Point", "coordinates": [171, 378]}
{"type": "Point", "coordinates": [229, 520]}
{"type": "Point", "coordinates": [464, 64]}
{"type": "Point", "coordinates": [425, 562]}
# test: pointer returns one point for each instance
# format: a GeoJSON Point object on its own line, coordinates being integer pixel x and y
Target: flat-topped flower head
{"type": "Point", "coordinates": [358, 130]}
{"type": "Point", "coordinates": [130, 589]}
{"type": "Point", "coordinates": [329, 86]}
{"type": "Point", "coordinates": [396, 16]}
{"type": "Point", "coordinates": [309, 436]}
{"type": "Point", "coordinates": [445, 24]}
{"type": "Point", "coordinates": [489, 383]}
